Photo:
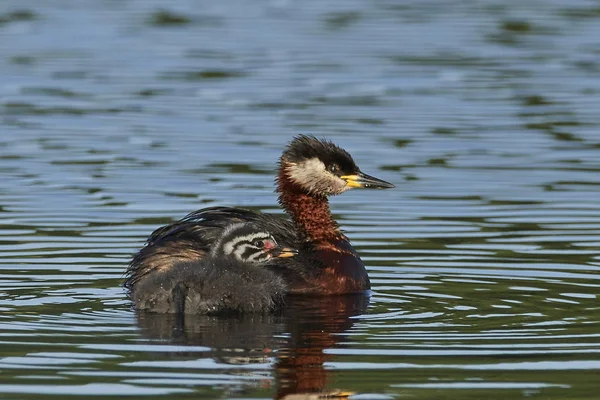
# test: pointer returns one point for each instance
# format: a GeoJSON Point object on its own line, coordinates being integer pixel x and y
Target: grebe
{"type": "Point", "coordinates": [233, 278]}
{"type": "Point", "coordinates": [310, 170]}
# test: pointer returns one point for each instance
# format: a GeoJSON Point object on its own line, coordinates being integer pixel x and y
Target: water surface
{"type": "Point", "coordinates": [119, 116]}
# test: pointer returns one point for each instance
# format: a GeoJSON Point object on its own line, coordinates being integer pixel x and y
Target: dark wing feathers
{"type": "Point", "coordinates": [218, 218]}
{"type": "Point", "coordinates": [206, 224]}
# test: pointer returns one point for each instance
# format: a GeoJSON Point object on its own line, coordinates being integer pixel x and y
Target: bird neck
{"type": "Point", "coordinates": [309, 212]}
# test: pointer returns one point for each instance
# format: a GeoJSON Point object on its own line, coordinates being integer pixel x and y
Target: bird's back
{"type": "Point", "coordinates": [192, 238]}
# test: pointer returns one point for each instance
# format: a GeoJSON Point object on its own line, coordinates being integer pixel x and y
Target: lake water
{"type": "Point", "coordinates": [119, 116]}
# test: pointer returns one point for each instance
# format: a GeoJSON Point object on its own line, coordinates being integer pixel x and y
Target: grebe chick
{"type": "Point", "coordinates": [232, 279]}
{"type": "Point", "coordinates": [310, 170]}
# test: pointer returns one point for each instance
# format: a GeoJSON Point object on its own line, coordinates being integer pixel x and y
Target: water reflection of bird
{"type": "Point", "coordinates": [310, 170]}
{"type": "Point", "coordinates": [294, 342]}
{"type": "Point", "coordinates": [231, 279]}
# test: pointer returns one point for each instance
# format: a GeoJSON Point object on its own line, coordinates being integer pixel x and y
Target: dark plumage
{"type": "Point", "coordinates": [211, 287]}
{"type": "Point", "coordinates": [191, 239]}
{"type": "Point", "coordinates": [233, 278]}
{"type": "Point", "coordinates": [309, 170]}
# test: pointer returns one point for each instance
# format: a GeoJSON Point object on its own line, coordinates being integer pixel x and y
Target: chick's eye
{"type": "Point", "coordinates": [333, 168]}
{"type": "Point", "coordinates": [259, 243]}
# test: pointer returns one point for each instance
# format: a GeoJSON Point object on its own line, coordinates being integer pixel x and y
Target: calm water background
{"type": "Point", "coordinates": [117, 117]}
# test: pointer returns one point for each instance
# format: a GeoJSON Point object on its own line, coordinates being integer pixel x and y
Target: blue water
{"type": "Point", "coordinates": [119, 116]}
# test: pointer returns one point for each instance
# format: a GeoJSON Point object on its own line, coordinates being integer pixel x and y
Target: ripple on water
{"type": "Point", "coordinates": [119, 117]}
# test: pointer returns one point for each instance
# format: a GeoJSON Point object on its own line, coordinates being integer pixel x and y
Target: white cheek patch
{"type": "Point", "coordinates": [307, 173]}
{"type": "Point", "coordinates": [312, 176]}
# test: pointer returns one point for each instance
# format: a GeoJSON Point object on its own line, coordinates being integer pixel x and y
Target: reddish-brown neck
{"type": "Point", "coordinates": [343, 271]}
{"type": "Point", "coordinates": [310, 212]}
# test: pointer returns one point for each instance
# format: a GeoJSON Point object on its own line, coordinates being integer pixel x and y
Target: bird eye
{"type": "Point", "coordinates": [258, 243]}
{"type": "Point", "coordinates": [333, 168]}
